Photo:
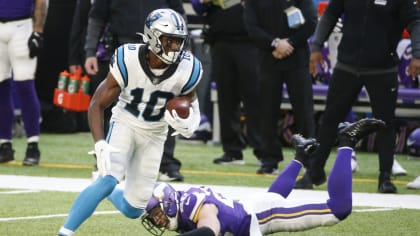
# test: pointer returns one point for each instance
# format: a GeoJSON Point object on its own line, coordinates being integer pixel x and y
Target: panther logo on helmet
{"type": "Point", "coordinates": [165, 22]}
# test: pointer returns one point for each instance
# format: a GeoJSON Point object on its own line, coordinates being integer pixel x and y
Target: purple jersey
{"type": "Point", "coordinates": [232, 216]}
{"type": "Point", "coordinates": [15, 9]}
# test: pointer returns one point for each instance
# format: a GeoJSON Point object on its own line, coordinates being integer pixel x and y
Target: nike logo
{"type": "Point", "coordinates": [393, 89]}
{"type": "Point", "coordinates": [410, 142]}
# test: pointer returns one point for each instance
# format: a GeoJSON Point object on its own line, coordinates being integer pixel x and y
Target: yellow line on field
{"type": "Point", "coordinates": [55, 165]}
{"type": "Point", "coordinates": [194, 172]}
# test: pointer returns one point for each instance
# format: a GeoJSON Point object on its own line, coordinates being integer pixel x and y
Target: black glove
{"type": "Point", "coordinates": [35, 44]}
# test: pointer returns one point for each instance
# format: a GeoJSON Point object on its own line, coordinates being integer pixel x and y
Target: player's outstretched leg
{"type": "Point", "coordinates": [340, 179]}
{"type": "Point", "coordinates": [284, 183]}
{"type": "Point", "coordinates": [350, 133]}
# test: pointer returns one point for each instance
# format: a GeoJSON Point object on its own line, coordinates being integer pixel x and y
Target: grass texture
{"type": "Point", "coordinates": [65, 155]}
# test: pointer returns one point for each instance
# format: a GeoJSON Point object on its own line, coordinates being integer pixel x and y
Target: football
{"type": "Point", "coordinates": [181, 105]}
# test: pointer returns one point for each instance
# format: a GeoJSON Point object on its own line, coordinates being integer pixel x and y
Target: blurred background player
{"type": "Point", "coordinates": [199, 211]}
{"type": "Point", "coordinates": [234, 67]}
{"type": "Point", "coordinates": [363, 61]}
{"type": "Point", "coordinates": [21, 28]}
{"type": "Point", "coordinates": [143, 77]}
{"type": "Point", "coordinates": [284, 51]}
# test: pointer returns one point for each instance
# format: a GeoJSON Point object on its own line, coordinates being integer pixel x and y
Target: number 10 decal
{"type": "Point", "coordinates": [149, 113]}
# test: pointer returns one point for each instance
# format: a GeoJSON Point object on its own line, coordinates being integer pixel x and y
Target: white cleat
{"type": "Point", "coordinates": [415, 184]}
{"type": "Point", "coordinates": [397, 169]}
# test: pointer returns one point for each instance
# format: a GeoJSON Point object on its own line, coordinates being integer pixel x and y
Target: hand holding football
{"type": "Point", "coordinates": [181, 105]}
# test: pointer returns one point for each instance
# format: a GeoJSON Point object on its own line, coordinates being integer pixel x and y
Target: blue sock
{"type": "Point", "coordinates": [87, 201]}
{"type": "Point", "coordinates": [285, 182]}
{"type": "Point", "coordinates": [117, 198]}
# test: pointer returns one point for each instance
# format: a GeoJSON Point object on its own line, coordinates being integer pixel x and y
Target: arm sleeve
{"type": "Point", "coordinates": [323, 30]}
{"type": "Point", "coordinates": [98, 17]}
{"type": "Point", "coordinates": [256, 33]}
{"type": "Point", "coordinates": [94, 31]}
{"type": "Point", "coordinates": [414, 29]}
{"type": "Point", "coordinates": [300, 37]}
{"type": "Point", "coordinates": [327, 23]}
{"type": "Point", "coordinates": [78, 32]}
{"type": "Point", "coordinates": [410, 15]}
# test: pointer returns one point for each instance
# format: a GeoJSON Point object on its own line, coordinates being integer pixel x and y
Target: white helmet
{"type": "Point", "coordinates": [169, 23]}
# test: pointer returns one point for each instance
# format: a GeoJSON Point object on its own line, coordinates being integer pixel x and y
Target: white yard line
{"type": "Point", "coordinates": [374, 209]}
{"type": "Point", "coordinates": [409, 201]}
{"type": "Point", "coordinates": [19, 192]}
{"type": "Point", "coordinates": [52, 216]}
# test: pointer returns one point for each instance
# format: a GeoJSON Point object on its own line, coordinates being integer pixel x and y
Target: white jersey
{"type": "Point", "coordinates": [138, 129]}
{"type": "Point", "coordinates": [144, 95]}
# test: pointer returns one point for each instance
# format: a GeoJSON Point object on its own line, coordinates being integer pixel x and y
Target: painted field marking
{"type": "Point", "coordinates": [7, 219]}
{"type": "Point", "coordinates": [409, 201]}
{"type": "Point", "coordinates": [20, 191]}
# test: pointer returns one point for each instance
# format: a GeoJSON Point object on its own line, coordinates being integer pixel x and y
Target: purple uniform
{"type": "Point", "coordinates": [265, 214]}
{"type": "Point", "coordinates": [15, 9]}
{"type": "Point", "coordinates": [232, 215]}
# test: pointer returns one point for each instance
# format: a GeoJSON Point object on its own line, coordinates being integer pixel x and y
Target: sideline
{"type": "Point", "coordinates": [408, 201]}
{"type": "Point", "coordinates": [194, 172]}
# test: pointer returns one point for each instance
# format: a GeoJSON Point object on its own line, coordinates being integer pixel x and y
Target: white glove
{"type": "Point", "coordinates": [103, 152]}
{"type": "Point", "coordinates": [187, 126]}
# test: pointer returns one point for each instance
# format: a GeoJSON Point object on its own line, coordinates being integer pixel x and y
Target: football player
{"type": "Point", "coordinates": [21, 41]}
{"type": "Point", "coordinates": [203, 212]}
{"type": "Point", "coordinates": [143, 77]}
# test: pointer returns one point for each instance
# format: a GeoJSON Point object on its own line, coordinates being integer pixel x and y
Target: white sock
{"type": "Point", "coordinates": [5, 141]}
{"type": "Point", "coordinates": [63, 231]}
{"type": "Point", "coordinates": [33, 139]}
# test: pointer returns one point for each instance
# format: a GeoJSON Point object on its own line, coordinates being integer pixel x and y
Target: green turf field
{"type": "Point", "coordinates": [66, 156]}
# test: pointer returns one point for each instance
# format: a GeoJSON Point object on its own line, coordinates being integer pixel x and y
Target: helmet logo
{"type": "Point", "coordinates": [152, 18]}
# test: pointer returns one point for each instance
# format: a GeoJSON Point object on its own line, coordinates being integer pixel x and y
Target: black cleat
{"type": "Point", "coordinates": [32, 155]}
{"type": "Point", "coordinates": [267, 170]}
{"type": "Point", "coordinates": [304, 183]}
{"type": "Point", "coordinates": [171, 175]}
{"type": "Point", "coordinates": [229, 160]}
{"type": "Point", "coordinates": [6, 153]}
{"type": "Point", "coordinates": [304, 147]}
{"type": "Point", "coordinates": [350, 133]}
{"type": "Point", "coordinates": [385, 185]}
{"type": "Point", "coordinates": [269, 166]}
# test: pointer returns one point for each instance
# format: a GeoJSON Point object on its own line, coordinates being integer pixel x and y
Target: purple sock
{"type": "Point", "coordinates": [340, 184]}
{"type": "Point", "coordinates": [285, 182]}
{"type": "Point", "coordinates": [29, 105]}
{"type": "Point", "coordinates": [6, 110]}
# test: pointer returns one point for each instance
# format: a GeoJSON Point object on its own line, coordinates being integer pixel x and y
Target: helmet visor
{"type": "Point", "coordinates": [171, 43]}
